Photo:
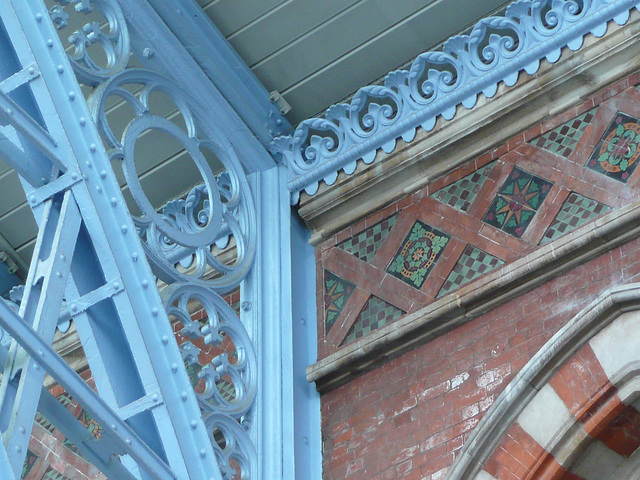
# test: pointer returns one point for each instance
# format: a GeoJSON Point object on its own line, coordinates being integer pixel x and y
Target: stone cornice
{"type": "Point", "coordinates": [477, 298]}
{"type": "Point", "coordinates": [492, 122]}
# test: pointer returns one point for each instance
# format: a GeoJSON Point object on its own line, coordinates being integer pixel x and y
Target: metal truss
{"type": "Point", "coordinates": [92, 254]}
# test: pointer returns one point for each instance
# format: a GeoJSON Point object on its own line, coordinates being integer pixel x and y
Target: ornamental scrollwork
{"type": "Point", "coordinates": [496, 50]}
{"type": "Point", "coordinates": [97, 36]}
{"type": "Point", "coordinates": [226, 385]}
{"type": "Point", "coordinates": [208, 236]}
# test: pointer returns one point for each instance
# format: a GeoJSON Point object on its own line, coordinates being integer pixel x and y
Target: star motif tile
{"type": "Point", "coordinates": [616, 154]}
{"type": "Point", "coordinates": [517, 202]}
{"type": "Point", "coordinates": [417, 255]}
{"type": "Point", "coordinates": [336, 293]}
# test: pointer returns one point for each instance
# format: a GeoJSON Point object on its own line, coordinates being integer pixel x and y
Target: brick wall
{"type": "Point", "coordinates": [409, 417]}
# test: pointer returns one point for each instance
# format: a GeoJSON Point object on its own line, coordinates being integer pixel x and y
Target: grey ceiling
{"type": "Point", "coordinates": [314, 52]}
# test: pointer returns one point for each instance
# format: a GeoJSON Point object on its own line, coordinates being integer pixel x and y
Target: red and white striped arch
{"type": "Point", "coordinates": [573, 412]}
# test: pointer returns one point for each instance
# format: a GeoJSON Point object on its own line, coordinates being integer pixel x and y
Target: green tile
{"type": "Point", "coordinates": [336, 294]}
{"type": "Point", "coordinates": [576, 211]}
{"type": "Point", "coordinates": [616, 154]}
{"type": "Point", "coordinates": [52, 474]}
{"type": "Point", "coordinates": [417, 254]}
{"type": "Point", "coordinates": [375, 314]}
{"type": "Point", "coordinates": [29, 462]}
{"type": "Point", "coordinates": [366, 244]}
{"type": "Point", "coordinates": [517, 202]}
{"type": "Point", "coordinates": [472, 263]}
{"type": "Point", "coordinates": [563, 139]}
{"type": "Point", "coordinates": [461, 194]}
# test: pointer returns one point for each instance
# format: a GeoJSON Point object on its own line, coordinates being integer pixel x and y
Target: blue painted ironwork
{"type": "Point", "coordinates": [496, 50]}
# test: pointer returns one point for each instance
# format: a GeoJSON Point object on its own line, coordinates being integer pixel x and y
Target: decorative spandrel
{"type": "Point", "coordinates": [336, 294]}
{"type": "Point", "coordinates": [365, 245]}
{"type": "Point", "coordinates": [616, 154]}
{"type": "Point", "coordinates": [563, 139]}
{"type": "Point", "coordinates": [375, 314]}
{"type": "Point", "coordinates": [517, 202]}
{"type": "Point", "coordinates": [418, 254]}
{"type": "Point", "coordinates": [472, 264]}
{"type": "Point", "coordinates": [461, 194]}
{"type": "Point", "coordinates": [576, 211]}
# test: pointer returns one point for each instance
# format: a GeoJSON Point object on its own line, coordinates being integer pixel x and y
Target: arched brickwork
{"type": "Point", "coordinates": [573, 412]}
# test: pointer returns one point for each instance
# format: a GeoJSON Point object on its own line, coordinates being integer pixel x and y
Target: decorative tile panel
{"type": "Point", "coordinates": [616, 154]}
{"type": "Point", "coordinates": [461, 194]}
{"type": "Point", "coordinates": [375, 314]}
{"type": "Point", "coordinates": [472, 264]}
{"type": "Point", "coordinates": [563, 139]}
{"type": "Point", "coordinates": [366, 244]}
{"type": "Point", "coordinates": [52, 474]}
{"type": "Point", "coordinates": [517, 202]}
{"type": "Point", "coordinates": [577, 210]}
{"type": "Point", "coordinates": [44, 422]}
{"type": "Point", "coordinates": [29, 462]}
{"type": "Point", "coordinates": [336, 293]}
{"type": "Point", "coordinates": [418, 253]}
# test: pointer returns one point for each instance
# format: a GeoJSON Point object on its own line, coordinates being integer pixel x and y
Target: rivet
{"type": "Point", "coordinates": [123, 229]}
{"type": "Point", "coordinates": [49, 43]}
{"type": "Point", "coordinates": [99, 189]}
{"type": "Point", "coordinates": [38, 17]}
{"type": "Point", "coordinates": [74, 176]}
{"type": "Point", "coordinates": [88, 164]}
{"type": "Point", "coordinates": [71, 96]}
{"type": "Point", "coordinates": [279, 121]}
{"type": "Point", "coordinates": [8, 111]}
{"type": "Point", "coordinates": [246, 306]}
{"type": "Point", "coordinates": [74, 308]}
{"type": "Point", "coordinates": [194, 424]}
{"type": "Point", "coordinates": [154, 398]}
{"type": "Point", "coordinates": [85, 177]}
{"type": "Point", "coordinates": [174, 367]}
{"type": "Point", "coordinates": [92, 147]}
{"type": "Point", "coordinates": [59, 274]}
{"type": "Point", "coordinates": [147, 52]}
{"type": "Point", "coordinates": [183, 396]}
{"type": "Point", "coordinates": [31, 71]}
{"type": "Point", "coordinates": [32, 198]}
{"type": "Point", "coordinates": [165, 339]}
{"type": "Point", "coordinates": [114, 426]}
{"type": "Point", "coordinates": [41, 353]}
{"type": "Point", "coordinates": [145, 283]}
{"type": "Point", "coordinates": [63, 257]}
{"type": "Point", "coordinates": [203, 453]}
{"type": "Point", "coordinates": [36, 367]}
{"type": "Point", "coordinates": [103, 174]}
{"type": "Point", "coordinates": [116, 286]}
{"type": "Point", "coordinates": [18, 448]}
{"type": "Point", "coordinates": [134, 256]}
{"type": "Point", "coordinates": [60, 69]}
{"type": "Point", "coordinates": [114, 201]}
{"type": "Point", "coordinates": [154, 311]}
{"type": "Point", "coordinates": [22, 430]}
{"type": "Point", "coordinates": [128, 441]}
{"type": "Point", "coordinates": [83, 121]}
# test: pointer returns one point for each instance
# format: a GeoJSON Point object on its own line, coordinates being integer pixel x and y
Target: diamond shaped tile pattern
{"type": "Point", "coordinates": [517, 202]}
{"type": "Point", "coordinates": [366, 244]}
{"type": "Point", "coordinates": [28, 464]}
{"type": "Point", "coordinates": [472, 264]}
{"type": "Point", "coordinates": [417, 254]}
{"type": "Point", "coordinates": [616, 154]}
{"type": "Point", "coordinates": [52, 474]}
{"type": "Point", "coordinates": [563, 139]}
{"type": "Point", "coordinates": [375, 314]}
{"type": "Point", "coordinates": [461, 194]}
{"type": "Point", "coordinates": [576, 210]}
{"type": "Point", "coordinates": [336, 293]}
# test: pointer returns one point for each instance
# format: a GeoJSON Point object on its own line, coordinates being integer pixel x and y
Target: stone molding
{"type": "Point", "coordinates": [470, 301]}
{"type": "Point", "coordinates": [536, 374]}
{"type": "Point", "coordinates": [472, 133]}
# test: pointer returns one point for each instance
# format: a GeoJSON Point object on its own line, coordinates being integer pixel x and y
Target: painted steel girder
{"type": "Point", "coordinates": [120, 315]}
